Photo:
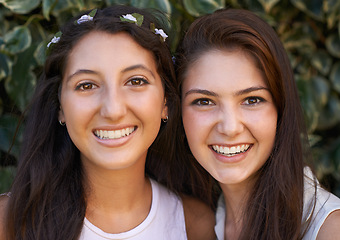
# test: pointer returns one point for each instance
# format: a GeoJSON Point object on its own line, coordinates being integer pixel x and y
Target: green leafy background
{"type": "Point", "coordinates": [309, 29]}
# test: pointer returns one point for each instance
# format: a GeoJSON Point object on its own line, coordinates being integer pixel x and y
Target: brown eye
{"type": "Point", "coordinates": [137, 82]}
{"type": "Point", "coordinates": [253, 101]}
{"type": "Point", "coordinates": [85, 86]}
{"type": "Point", "coordinates": [203, 102]}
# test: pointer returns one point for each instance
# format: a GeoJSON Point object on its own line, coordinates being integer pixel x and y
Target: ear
{"type": "Point", "coordinates": [165, 110]}
{"type": "Point", "coordinates": [61, 117]}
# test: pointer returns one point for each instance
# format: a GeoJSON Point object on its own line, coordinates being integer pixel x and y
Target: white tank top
{"type": "Point", "coordinates": [164, 221]}
{"type": "Point", "coordinates": [326, 203]}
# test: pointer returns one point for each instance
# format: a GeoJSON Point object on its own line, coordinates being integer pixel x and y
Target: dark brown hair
{"type": "Point", "coordinates": [47, 196]}
{"type": "Point", "coordinates": [275, 206]}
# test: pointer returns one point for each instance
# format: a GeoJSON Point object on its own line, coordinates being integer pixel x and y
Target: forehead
{"type": "Point", "coordinates": [223, 69]}
{"type": "Point", "coordinates": [98, 48]}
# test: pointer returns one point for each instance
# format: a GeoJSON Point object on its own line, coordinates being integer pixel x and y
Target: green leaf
{"type": "Point", "coordinates": [333, 45]}
{"type": "Point", "coordinates": [320, 91]}
{"type": "Point", "coordinates": [330, 114]}
{"type": "Point", "coordinates": [200, 7]}
{"type": "Point", "coordinates": [299, 39]}
{"type": "Point", "coordinates": [308, 104]}
{"type": "Point", "coordinates": [64, 10]}
{"type": "Point", "coordinates": [163, 5]}
{"type": "Point", "coordinates": [139, 18]}
{"type": "Point", "coordinates": [313, 139]}
{"type": "Point", "coordinates": [331, 9]}
{"type": "Point", "coordinates": [40, 53]}
{"type": "Point", "coordinates": [268, 4]}
{"type": "Point", "coordinates": [5, 66]}
{"type": "Point", "coordinates": [18, 40]}
{"type": "Point", "coordinates": [254, 6]}
{"type": "Point", "coordinates": [21, 84]}
{"type": "Point", "coordinates": [335, 76]}
{"type": "Point", "coordinates": [312, 8]}
{"type": "Point", "coordinates": [8, 125]}
{"type": "Point", "coordinates": [47, 6]}
{"type": "Point", "coordinates": [115, 2]}
{"type": "Point", "coordinates": [6, 178]}
{"type": "Point", "coordinates": [322, 61]}
{"type": "Point", "coordinates": [314, 94]}
{"type": "Point", "coordinates": [21, 6]}
{"type": "Point", "coordinates": [93, 13]}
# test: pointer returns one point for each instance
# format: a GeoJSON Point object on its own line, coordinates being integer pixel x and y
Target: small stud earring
{"type": "Point", "coordinates": [165, 119]}
{"type": "Point", "coordinates": [62, 123]}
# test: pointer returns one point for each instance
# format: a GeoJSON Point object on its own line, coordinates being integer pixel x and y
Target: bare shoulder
{"type": "Point", "coordinates": [3, 209]}
{"type": "Point", "coordinates": [330, 228]}
{"type": "Point", "coordinates": [199, 219]}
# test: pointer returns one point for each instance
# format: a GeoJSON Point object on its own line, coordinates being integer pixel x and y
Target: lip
{"type": "Point", "coordinates": [231, 159]}
{"type": "Point", "coordinates": [114, 142]}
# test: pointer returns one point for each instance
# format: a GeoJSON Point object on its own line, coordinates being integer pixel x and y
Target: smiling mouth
{"type": "Point", "coordinates": [231, 151]}
{"type": "Point", "coordinates": [114, 134]}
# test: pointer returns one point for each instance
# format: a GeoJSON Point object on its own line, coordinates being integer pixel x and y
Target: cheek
{"type": "Point", "coordinates": [188, 117]}
{"type": "Point", "coordinates": [196, 126]}
{"type": "Point", "coordinates": [148, 108]}
{"type": "Point", "coordinates": [264, 128]}
{"type": "Point", "coordinates": [74, 109]}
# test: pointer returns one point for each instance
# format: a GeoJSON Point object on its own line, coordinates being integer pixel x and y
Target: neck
{"type": "Point", "coordinates": [236, 199]}
{"type": "Point", "coordinates": [117, 200]}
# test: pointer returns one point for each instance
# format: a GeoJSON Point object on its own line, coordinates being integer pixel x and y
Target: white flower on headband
{"type": "Point", "coordinates": [162, 33]}
{"type": "Point", "coordinates": [55, 39]}
{"type": "Point", "coordinates": [130, 17]}
{"type": "Point", "coordinates": [133, 18]}
{"type": "Point", "coordinates": [86, 18]}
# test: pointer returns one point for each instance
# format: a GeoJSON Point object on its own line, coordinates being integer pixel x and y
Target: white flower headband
{"type": "Point", "coordinates": [138, 20]}
{"type": "Point", "coordinates": [131, 18]}
{"type": "Point", "coordinates": [82, 19]}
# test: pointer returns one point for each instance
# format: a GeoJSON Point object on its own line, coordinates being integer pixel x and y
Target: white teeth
{"type": "Point", "coordinates": [231, 151]}
{"type": "Point", "coordinates": [118, 134]}
{"type": "Point", "coordinates": [104, 134]}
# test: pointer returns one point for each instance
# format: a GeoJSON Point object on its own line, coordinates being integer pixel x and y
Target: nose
{"type": "Point", "coordinates": [113, 104]}
{"type": "Point", "coordinates": [230, 122]}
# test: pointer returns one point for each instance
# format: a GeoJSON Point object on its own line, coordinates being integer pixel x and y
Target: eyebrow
{"type": "Point", "coordinates": [80, 71]}
{"type": "Point", "coordinates": [131, 68]}
{"type": "Point", "coordinates": [138, 66]}
{"type": "Point", "coordinates": [249, 90]}
{"type": "Point", "coordinates": [201, 91]}
{"type": "Point", "coordinates": [213, 94]}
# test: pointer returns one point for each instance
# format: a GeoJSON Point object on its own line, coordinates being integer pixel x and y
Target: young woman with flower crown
{"type": "Point", "coordinates": [95, 142]}
{"type": "Point", "coordinates": [244, 125]}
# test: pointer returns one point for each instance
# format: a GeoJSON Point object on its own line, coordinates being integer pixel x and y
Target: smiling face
{"type": "Point", "coordinates": [112, 100]}
{"type": "Point", "coordinates": [228, 115]}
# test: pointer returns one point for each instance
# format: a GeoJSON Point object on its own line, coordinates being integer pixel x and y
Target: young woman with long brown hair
{"type": "Point", "coordinates": [95, 145]}
{"type": "Point", "coordinates": [244, 125]}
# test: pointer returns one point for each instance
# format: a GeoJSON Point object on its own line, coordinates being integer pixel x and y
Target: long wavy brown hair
{"type": "Point", "coordinates": [275, 206]}
{"type": "Point", "coordinates": [48, 199]}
